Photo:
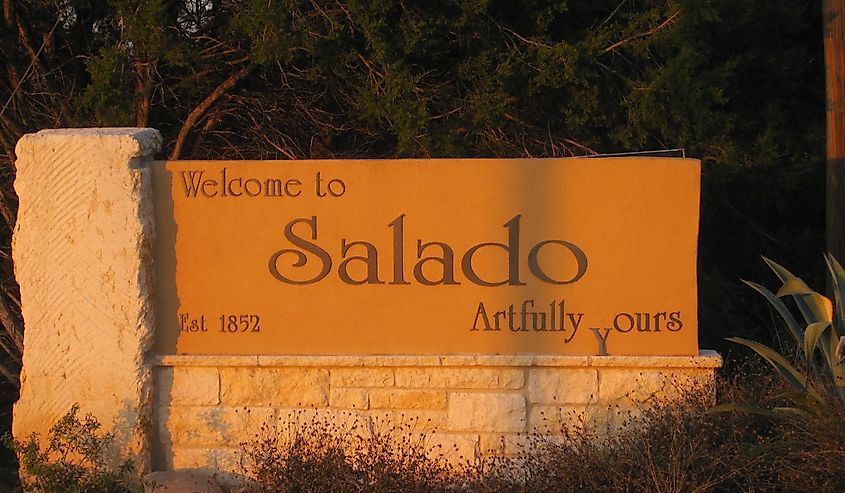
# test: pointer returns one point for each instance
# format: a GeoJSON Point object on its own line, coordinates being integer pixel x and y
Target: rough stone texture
{"type": "Point", "coordinates": [622, 417]}
{"type": "Point", "coordinates": [349, 399]}
{"type": "Point", "coordinates": [290, 387]}
{"type": "Point", "coordinates": [340, 420]}
{"type": "Point", "coordinates": [206, 426]}
{"type": "Point", "coordinates": [206, 360]}
{"type": "Point", "coordinates": [456, 447]}
{"type": "Point", "coordinates": [417, 419]}
{"type": "Point", "coordinates": [188, 386]}
{"type": "Point", "coordinates": [83, 258]}
{"type": "Point", "coordinates": [629, 386]}
{"type": "Point", "coordinates": [488, 407]}
{"type": "Point", "coordinates": [230, 459]}
{"type": "Point", "coordinates": [486, 412]}
{"type": "Point", "coordinates": [553, 420]}
{"type": "Point", "coordinates": [370, 377]}
{"type": "Point", "coordinates": [459, 404]}
{"type": "Point", "coordinates": [180, 482]}
{"type": "Point", "coordinates": [407, 399]}
{"type": "Point", "coordinates": [508, 444]}
{"type": "Point", "coordinates": [201, 459]}
{"type": "Point", "coordinates": [573, 386]}
{"type": "Point", "coordinates": [460, 378]}
{"type": "Point", "coordinates": [705, 359]}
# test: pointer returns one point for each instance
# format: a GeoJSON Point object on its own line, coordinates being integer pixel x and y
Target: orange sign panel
{"type": "Point", "coordinates": [429, 256]}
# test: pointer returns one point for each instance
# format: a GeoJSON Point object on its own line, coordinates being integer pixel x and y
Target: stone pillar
{"type": "Point", "coordinates": [83, 257]}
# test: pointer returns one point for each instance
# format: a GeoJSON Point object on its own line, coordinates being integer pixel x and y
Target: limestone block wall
{"type": "Point", "coordinates": [205, 406]}
{"type": "Point", "coordinates": [83, 258]}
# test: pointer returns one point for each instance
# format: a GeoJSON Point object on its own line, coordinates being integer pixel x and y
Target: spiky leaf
{"type": "Point", "coordinates": [837, 276]}
{"type": "Point", "coordinates": [811, 304]}
{"type": "Point", "coordinates": [781, 308]}
{"type": "Point", "coordinates": [818, 306]}
{"type": "Point", "coordinates": [794, 377]}
{"type": "Point", "coordinates": [794, 286]}
{"type": "Point", "coordinates": [812, 335]}
{"type": "Point", "coordinates": [806, 401]}
{"type": "Point", "coordinates": [792, 411]}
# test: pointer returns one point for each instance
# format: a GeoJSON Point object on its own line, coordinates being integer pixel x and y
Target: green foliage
{"type": "Point", "coordinates": [738, 84]}
{"type": "Point", "coordinates": [819, 386]}
{"type": "Point", "coordinates": [74, 460]}
{"type": "Point", "coordinates": [106, 95]}
{"type": "Point", "coordinates": [268, 27]}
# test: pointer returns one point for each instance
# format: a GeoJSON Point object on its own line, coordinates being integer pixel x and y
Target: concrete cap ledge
{"type": "Point", "coordinates": [138, 142]}
{"type": "Point", "coordinates": [706, 359]}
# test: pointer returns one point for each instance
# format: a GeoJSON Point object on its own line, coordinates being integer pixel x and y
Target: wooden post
{"type": "Point", "coordinates": [834, 59]}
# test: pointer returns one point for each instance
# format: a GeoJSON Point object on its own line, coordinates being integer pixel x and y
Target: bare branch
{"type": "Point", "coordinates": [7, 210]}
{"type": "Point", "coordinates": [13, 130]}
{"type": "Point", "coordinates": [524, 39]}
{"type": "Point", "coordinates": [195, 114]}
{"type": "Point", "coordinates": [580, 146]}
{"type": "Point", "coordinates": [28, 70]}
{"type": "Point", "coordinates": [8, 147]}
{"type": "Point", "coordinates": [645, 34]}
{"type": "Point", "coordinates": [13, 328]}
{"type": "Point", "coordinates": [289, 154]}
{"type": "Point", "coordinates": [12, 378]}
{"type": "Point", "coordinates": [15, 355]}
{"type": "Point", "coordinates": [612, 13]}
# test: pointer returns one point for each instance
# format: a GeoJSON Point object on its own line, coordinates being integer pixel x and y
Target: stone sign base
{"type": "Point", "coordinates": [83, 257]}
{"type": "Point", "coordinates": [473, 405]}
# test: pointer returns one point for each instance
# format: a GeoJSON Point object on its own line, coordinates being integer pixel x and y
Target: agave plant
{"type": "Point", "coordinates": [820, 388]}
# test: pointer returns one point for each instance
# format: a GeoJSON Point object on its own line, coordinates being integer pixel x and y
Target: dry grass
{"type": "Point", "coordinates": [677, 448]}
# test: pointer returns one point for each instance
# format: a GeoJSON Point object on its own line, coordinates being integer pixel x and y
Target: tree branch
{"type": "Point", "coordinates": [645, 34]}
{"type": "Point", "coordinates": [27, 71]}
{"type": "Point", "coordinates": [197, 113]}
{"type": "Point", "coordinates": [13, 129]}
{"type": "Point", "coordinates": [13, 329]}
{"type": "Point", "coordinates": [42, 72]}
{"type": "Point", "coordinates": [8, 148]}
{"type": "Point", "coordinates": [580, 146]}
{"type": "Point", "coordinates": [142, 93]}
{"type": "Point", "coordinates": [11, 377]}
{"type": "Point", "coordinates": [606, 20]}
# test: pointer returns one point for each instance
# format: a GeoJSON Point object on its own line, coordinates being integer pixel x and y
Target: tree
{"type": "Point", "coordinates": [728, 81]}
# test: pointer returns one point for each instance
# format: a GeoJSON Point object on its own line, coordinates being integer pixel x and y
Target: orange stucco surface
{"type": "Point", "coordinates": [433, 256]}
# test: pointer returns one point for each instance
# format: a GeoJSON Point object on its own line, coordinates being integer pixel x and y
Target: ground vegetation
{"type": "Point", "coordinates": [739, 85]}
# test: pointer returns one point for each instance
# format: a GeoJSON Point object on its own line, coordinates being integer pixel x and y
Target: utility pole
{"type": "Point", "coordinates": [834, 62]}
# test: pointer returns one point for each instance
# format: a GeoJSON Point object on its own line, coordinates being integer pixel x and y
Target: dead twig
{"type": "Point", "coordinates": [28, 70]}
{"type": "Point", "coordinates": [641, 35]}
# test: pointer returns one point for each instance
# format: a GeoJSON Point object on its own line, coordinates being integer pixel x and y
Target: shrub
{"type": "Point", "coordinates": [673, 448]}
{"type": "Point", "coordinates": [74, 460]}
{"type": "Point", "coordinates": [313, 453]}
{"type": "Point", "coordinates": [817, 384]}
{"type": "Point", "coordinates": [681, 447]}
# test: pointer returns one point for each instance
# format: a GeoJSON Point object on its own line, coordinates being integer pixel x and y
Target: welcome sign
{"type": "Point", "coordinates": [435, 256]}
